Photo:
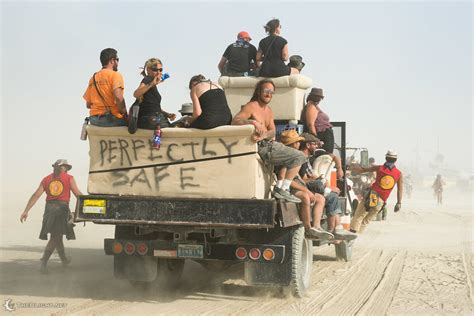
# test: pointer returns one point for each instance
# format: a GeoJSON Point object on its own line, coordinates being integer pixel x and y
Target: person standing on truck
{"type": "Point", "coordinates": [57, 218]}
{"type": "Point", "coordinates": [258, 113]}
{"type": "Point", "coordinates": [317, 122]}
{"type": "Point", "coordinates": [316, 185]}
{"type": "Point", "coordinates": [375, 199]}
{"type": "Point", "coordinates": [104, 94]}
{"type": "Point", "coordinates": [239, 58]}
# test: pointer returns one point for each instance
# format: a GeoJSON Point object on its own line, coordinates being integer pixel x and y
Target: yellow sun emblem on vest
{"type": "Point", "coordinates": [387, 182]}
{"type": "Point", "coordinates": [56, 188]}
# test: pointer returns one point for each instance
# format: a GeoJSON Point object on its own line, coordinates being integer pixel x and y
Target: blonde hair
{"type": "Point", "coordinates": [150, 63]}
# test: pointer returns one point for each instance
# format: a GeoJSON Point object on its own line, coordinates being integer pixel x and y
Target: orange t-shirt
{"type": "Point", "coordinates": [107, 81]}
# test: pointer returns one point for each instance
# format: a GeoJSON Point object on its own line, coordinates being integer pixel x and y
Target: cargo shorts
{"type": "Point", "coordinates": [280, 155]}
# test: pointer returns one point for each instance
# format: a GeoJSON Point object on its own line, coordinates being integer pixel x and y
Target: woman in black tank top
{"type": "Point", "coordinates": [210, 108]}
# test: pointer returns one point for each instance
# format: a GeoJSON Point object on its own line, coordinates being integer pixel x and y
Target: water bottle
{"type": "Point", "coordinates": [165, 76]}
{"type": "Point", "coordinates": [84, 129]}
{"type": "Point", "coordinates": [157, 136]}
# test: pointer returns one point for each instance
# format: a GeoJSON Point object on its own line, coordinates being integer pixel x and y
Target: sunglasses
{"type": "Point", "coordinates": [117, 59]}
{"type": "Point", "coordinates": [268, 91]}
{"type": "Point", "coordinates": [157, 69]}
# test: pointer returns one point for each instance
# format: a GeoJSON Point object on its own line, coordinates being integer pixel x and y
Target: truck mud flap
{"type": "Point", "coordinates": [135, 268]}
{"type": "Point", "coordinates": [140, 210]}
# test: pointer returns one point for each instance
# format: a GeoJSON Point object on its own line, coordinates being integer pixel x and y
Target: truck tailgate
{"type": "Point", "coordinates": [145, 210]}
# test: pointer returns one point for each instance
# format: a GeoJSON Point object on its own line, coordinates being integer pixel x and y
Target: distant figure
{"type": "Point", "coordinates": [186, 115]}
{"type": "Point", "coordinates": [239, 58]}
{"type": "Point", "coordinates": [316, 121]}
{"type": "Point", "coordinates": [210, 108]}
{"type": "Point", "coordinates": [258, 113]}
{"type": "Point", "coordinates": [150, 99]}
{"type": "Point", "coordinates": [438, 186]}
{"type": "Point", "coordinates": [57, 218]}
{"type": "Point", "coordinates": [374, 200]}
{"type": "Point", "coordinates": [104, 94]}
{"type": "Point", "coordinates": [273, 53]}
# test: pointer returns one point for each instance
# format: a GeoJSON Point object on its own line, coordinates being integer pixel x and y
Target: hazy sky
{"type": "Point", "coordinates": [399, 73]}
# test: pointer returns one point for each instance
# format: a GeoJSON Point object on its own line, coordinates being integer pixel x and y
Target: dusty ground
{"type": "Point", "coordinates": [419, 261]}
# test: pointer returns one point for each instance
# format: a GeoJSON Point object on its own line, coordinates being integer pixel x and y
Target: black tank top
{"type": "Point", "coordinates": [215, 110]}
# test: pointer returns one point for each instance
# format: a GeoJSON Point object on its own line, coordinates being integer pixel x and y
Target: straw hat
{"type": "Point", "coordinates": [290, 136]}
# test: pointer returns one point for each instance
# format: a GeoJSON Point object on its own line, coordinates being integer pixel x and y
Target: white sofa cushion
{"type": "Point", "coordinates": [287, 102]}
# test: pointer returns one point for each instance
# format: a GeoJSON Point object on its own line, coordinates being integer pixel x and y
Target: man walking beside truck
{"type": "Point", "coordinates": [375, 199]}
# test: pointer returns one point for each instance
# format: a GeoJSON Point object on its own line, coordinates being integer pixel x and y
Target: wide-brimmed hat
{"type": "Point", "coordinates": [310, 138]}
{"type": "Point", "coordinates": [296, 61]}
{"type": "Point", "coordinates": [244, 34]}
{"type": "Point", "coordinates": [391, 154]}
{"type": "Point", "coordinates": [186, 108]}
{"type": "Point", "coordinates": [62, 162]}
{"type": "Point", "coordinates": [290, 136]}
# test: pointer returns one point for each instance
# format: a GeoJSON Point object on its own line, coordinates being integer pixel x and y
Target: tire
{"type": "Point", "coordinates": [344, 251]}
{"type": "Point", "coordinates": [301, 263]}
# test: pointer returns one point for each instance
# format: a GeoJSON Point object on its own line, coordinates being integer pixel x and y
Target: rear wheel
{"type": "Point", "coordinates": [301, 263]}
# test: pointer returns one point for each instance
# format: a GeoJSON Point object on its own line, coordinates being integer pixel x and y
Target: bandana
{"type": "Point", "coordinates": [389, 165]}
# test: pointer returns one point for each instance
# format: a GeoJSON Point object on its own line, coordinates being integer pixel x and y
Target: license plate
{"type": "Point", "coordinates": [190, 251]}
{"type": "Point", "coordinates": [93, 207]}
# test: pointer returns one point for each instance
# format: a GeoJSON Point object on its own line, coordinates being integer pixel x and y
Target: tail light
{"type": "Point", "coordinates": [129, 248]}
{"type": "Point", "coordinates": [117, 247]}
{"type": "Point", "coordinates": [241, 253]}
{"type": "Point", "coordinates": [268, 254]}
{"type": "Point", "coordinates": [254, 253]}
{"type": "Point", "coordinates": [142, 249]}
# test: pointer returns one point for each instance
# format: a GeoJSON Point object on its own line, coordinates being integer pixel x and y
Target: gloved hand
{"type": "Point", "coordinates": [397, 207]}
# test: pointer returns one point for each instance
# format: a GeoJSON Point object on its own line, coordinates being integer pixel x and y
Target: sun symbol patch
{"type": "Point", "coordinates": [56, 188]}
{"type": "Point", "coordinates": [387, 182]}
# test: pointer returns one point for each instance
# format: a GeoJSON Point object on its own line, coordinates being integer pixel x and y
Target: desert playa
{"type": "Point", "coordinates": [418, 262]}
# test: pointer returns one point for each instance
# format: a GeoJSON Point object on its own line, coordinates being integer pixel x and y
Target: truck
{"type": "Point", "coordinates": [203, 196]}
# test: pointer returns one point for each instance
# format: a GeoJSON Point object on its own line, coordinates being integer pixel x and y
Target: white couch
{"type": "Point", "coordinates": [287, 102]}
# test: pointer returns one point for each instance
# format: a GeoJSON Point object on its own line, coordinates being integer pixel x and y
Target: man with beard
{"type": "Point", "coordinates": [259, 114]}
{"type": "Point", "coordinates": [104, 94]}
{"type": "Point", "coordinates": [332, 204]}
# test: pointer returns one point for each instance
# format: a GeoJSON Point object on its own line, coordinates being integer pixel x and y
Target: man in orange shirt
{"type": "Point", "coordinates": [104, 94]}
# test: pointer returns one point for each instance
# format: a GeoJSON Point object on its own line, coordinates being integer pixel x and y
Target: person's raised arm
{"type": "Point", "coordinates": [31, 202]}
{"type": "Point", "coordinates": [360, 169]}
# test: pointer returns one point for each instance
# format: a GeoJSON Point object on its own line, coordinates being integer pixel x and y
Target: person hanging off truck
{"type": "Point", "coordinates": [57, 216]}
{"type": "Point", "coordinates": [375, 199]}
